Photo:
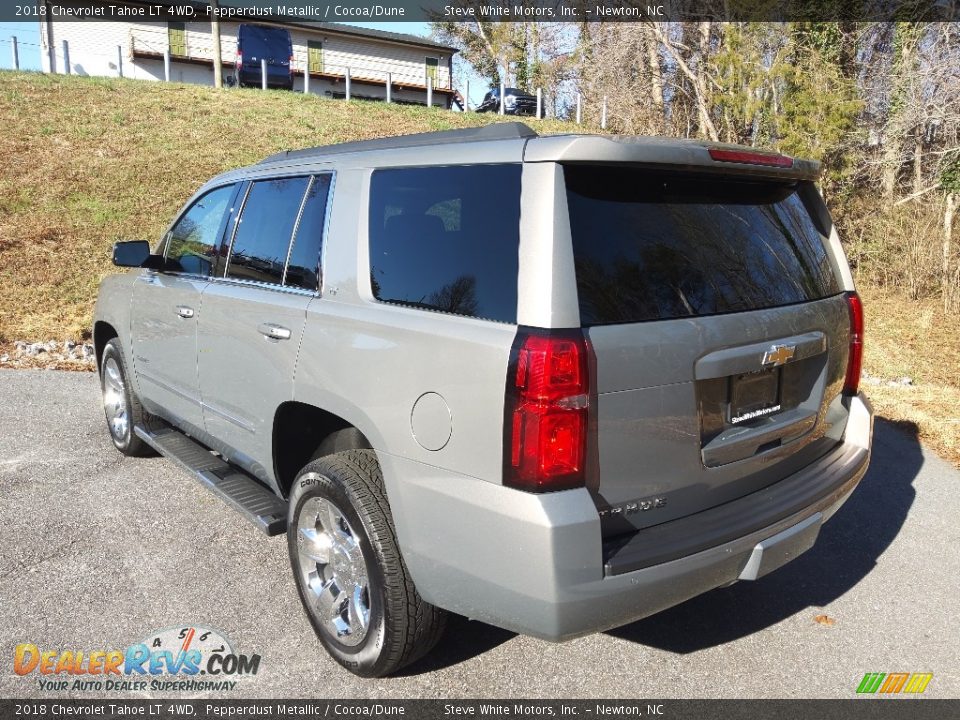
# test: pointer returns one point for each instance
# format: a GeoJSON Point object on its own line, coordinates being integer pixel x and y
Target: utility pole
{"type": "Point", "coordinates": [215, 33]}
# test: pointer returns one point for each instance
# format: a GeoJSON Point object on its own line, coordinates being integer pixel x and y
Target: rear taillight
{"type": "Point", "coordinates": [546, 411]}
{"type": "Point", "coordinates": [751, 158]}
{"type": "Point", "coordinates": [855, 360]}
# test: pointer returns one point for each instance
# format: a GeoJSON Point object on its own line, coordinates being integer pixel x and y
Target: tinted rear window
{"type": "Point", "coordinates": [265, 42]}
{"type": "Point", "coordinates": [656, 245]}
{"type": "Point", "coordinates": [447, 239]}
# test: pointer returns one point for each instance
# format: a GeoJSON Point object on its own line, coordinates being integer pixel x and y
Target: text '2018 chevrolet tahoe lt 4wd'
{"type": "Point", "coordinates": [556, 384]}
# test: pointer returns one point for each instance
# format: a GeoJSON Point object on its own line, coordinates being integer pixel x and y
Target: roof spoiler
{"type": "Point", "coordinates": [676, 153]}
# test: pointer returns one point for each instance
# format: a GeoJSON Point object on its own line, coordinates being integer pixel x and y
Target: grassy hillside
{"type": "Point", "coordinates": [86, 161]}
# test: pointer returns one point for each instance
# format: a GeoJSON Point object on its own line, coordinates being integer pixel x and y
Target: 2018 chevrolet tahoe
{"type": "Point", "coordinates": [555, 384]}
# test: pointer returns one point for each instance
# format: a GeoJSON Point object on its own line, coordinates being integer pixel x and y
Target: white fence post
{"type": "Point", "coordinates": [166, 64]}
{"type": "Point", "coordinates": [429, 92]}
{"type": "Point", "coordinates": [603, 114]}
{"type": "Point", "coordinates": [389, 87]}
{"type": "Point", "coordinates": [119, 61]}
{"type": "Point", "coordinates": [263, 73]}
{"type": "Point", "coordinates": [66, 58]}
{"type": "Point", "coordinates": [346, 80]}
{"type": "Point", "coordinates": [306, 79]}
{"type": "Point", "coordinates": [539, 102]}
{"type": "Point", "coordinates": [466, 98]}
{"type": "Point", "coordinates": [501, 98]}
{"type": "Point", "coordinates": [15, 56]}
{"type": "Point", "coordinates": [579, 108]}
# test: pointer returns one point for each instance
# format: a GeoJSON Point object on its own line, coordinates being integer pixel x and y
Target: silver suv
{"type": "Point", "coordinates": [555, 384]}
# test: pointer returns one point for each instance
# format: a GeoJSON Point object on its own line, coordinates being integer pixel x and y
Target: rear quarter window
{"type": "Point", "coordinates": [651, 245]}
{"type": "Point", "coordinates": [447, 239]}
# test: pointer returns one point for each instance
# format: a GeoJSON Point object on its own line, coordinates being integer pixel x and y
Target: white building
{"type": "Point", "coordinates": [326, 50]}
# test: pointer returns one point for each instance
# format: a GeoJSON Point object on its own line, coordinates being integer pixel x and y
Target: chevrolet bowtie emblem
{"type": "Point", "coordinates": [778, 355]}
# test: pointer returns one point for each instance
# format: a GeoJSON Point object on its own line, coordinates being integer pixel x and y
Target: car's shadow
{"type": "Point", "coordinates": [846, 551]}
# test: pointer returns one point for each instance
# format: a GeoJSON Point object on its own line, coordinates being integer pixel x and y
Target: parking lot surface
{"type": "Point", "coordinates": [97, 552]}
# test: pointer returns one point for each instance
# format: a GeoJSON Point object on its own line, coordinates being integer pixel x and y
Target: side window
{"type": "Point", "coordinates": [262, 237]}
{"type": "Point", "coordinates": [190, 245]}
{"type": "Point", "coordinates": [304, 267]}
{"type": "Point", "coordinates": [447, 239]}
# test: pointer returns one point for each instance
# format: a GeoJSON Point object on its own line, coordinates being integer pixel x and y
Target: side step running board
{"type": "Point", "coordinates": [251, 499]}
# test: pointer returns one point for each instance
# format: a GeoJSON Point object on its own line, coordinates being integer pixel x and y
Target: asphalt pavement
{"type": "Point", "coordinates": [98, 551]}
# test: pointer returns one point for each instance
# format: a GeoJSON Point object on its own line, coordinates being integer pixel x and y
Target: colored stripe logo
{"type": "Point", "coordinates": [894, 683]}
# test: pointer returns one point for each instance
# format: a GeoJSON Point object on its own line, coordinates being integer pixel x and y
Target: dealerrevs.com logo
{"type": "Point", "coordinates": [185, 659]}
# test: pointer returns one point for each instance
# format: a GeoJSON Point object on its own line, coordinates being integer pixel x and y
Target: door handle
{"type": "Point", "coordinates": [185, 312]}
{"type": "Point", "coordinates": [274, 332]}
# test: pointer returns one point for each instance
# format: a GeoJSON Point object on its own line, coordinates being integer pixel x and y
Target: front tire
{"type": "Point", "coordinates": [352, 581]}
{"type": "Point", "coordinates": [120, 405]}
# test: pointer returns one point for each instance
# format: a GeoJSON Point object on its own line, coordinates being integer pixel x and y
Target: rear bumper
{"type": "Point", "coordinates": [535, 564]}
{"type": "Point", "coordinates": [252, 76]}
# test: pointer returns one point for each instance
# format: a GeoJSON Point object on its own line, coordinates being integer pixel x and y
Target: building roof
{"type": "Point", "coordinates": [343, 29]}
{"type": "Point", "coordinates": [300, 22]}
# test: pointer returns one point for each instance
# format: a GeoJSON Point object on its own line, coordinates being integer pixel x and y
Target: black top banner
{"type": "Point", "coordinates": [345, 11]}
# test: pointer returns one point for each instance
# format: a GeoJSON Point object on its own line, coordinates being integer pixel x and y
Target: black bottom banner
{"type": "Point", "coordinates": [875, 709]}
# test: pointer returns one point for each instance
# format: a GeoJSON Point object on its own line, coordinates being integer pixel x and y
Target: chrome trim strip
{"type": "Point", "coordinates": [169, 388]}
{"type": "Point", "coordinates": [243, 281]}
{"type": "Point", "coordinates": [236, 225]}
{"type": "Point", "coordinates": [205, 406]}
{"type": "Point", "coordinates": [263, 286]}
{"type": "Point", "coordinates": [229, 418]}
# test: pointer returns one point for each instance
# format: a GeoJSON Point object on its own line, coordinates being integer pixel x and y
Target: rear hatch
{"type": "Point", "coordinates": [264, 43]}
{"type": "Point", "coordinates": [719, 332]}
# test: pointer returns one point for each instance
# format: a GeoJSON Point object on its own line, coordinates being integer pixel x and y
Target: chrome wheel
{"type": "Point", "coordinates": [333, 571]}
{"type": "Point", "coordinates": [115, 400]}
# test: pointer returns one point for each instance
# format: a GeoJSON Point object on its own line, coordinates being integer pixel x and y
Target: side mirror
{"type": "Point", "coordinates": [135, 253]}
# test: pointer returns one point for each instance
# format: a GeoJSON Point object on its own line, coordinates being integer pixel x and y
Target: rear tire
{"type": "Point", "coordinates": [120, 404]}
{"type": "Point", "coordinates": [352, 581]}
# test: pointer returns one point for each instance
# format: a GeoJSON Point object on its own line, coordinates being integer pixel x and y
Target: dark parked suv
{"type": "Point", "coordinates": [635, 381]}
